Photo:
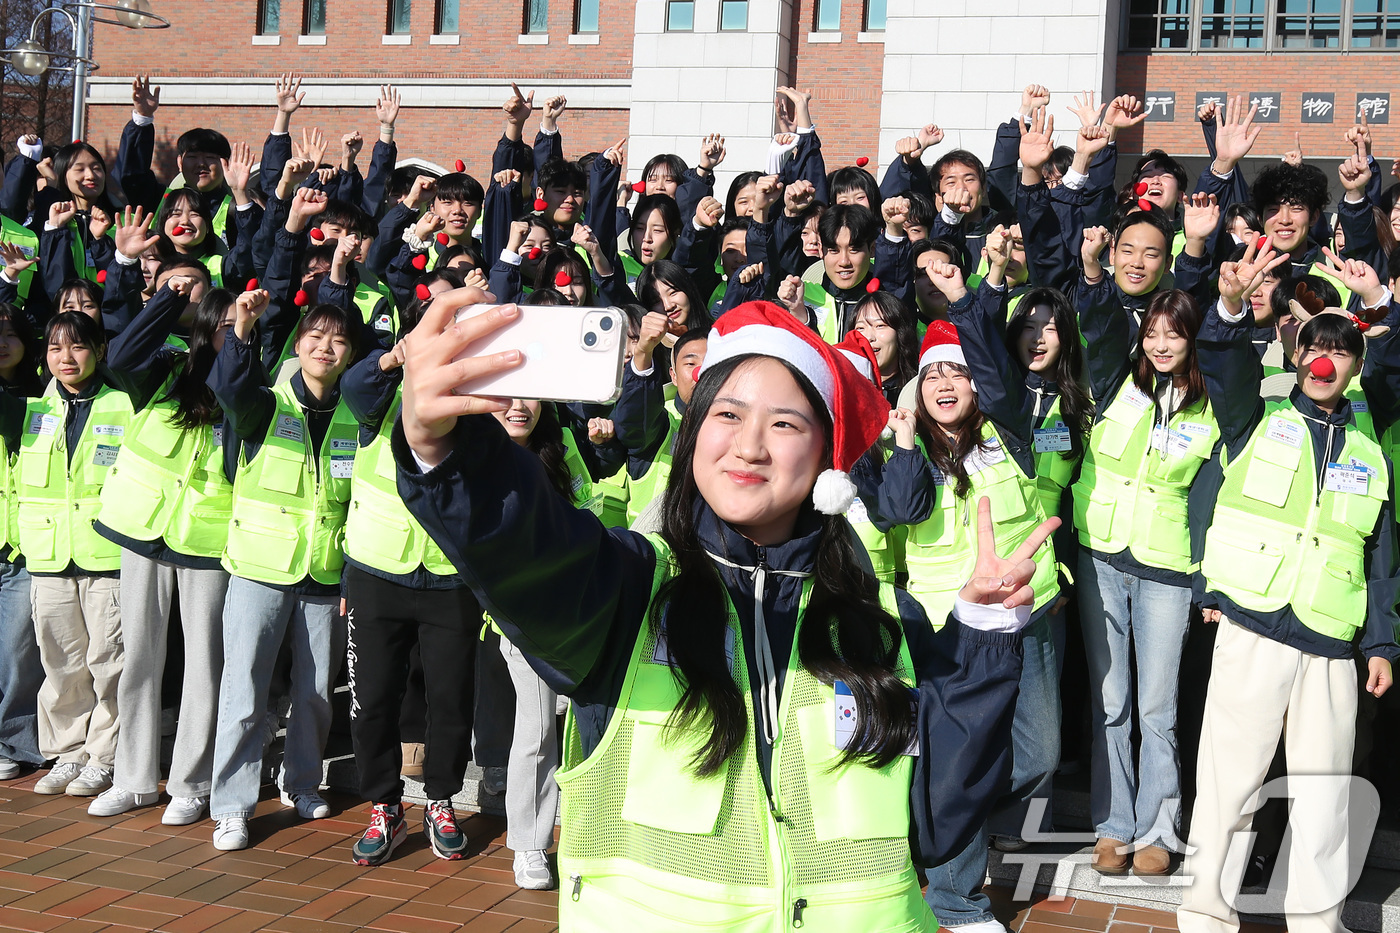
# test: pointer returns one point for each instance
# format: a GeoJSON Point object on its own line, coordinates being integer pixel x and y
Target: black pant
{"type": "Point", "coordinates": [385, 621]}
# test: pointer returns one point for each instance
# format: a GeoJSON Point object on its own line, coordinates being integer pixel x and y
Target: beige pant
{"type": "Point", "coordinates": [1259, 689]}
{"type": "Point", "coordinates": [78, 624]}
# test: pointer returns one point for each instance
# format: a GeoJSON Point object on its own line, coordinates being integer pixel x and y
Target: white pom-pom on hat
{"type": "Point", "coordinates": [833, 493]}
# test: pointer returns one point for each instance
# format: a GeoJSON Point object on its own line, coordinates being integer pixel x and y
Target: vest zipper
{"type": "Point", "coordinates": [576, 880]}
{"type": "Point", "coordinates": [798, 906]}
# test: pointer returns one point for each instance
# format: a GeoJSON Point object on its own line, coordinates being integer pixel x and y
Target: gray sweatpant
{"type": "Point", "coordinates": [532, 796]}
{"type": "Point", "coordinates": [148, 587]}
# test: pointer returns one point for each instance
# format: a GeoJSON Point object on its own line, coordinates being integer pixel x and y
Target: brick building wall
{"type": "Point", "coordinates": [845, 77]}
{"type": "Point", "coordinates": [1292, 74]}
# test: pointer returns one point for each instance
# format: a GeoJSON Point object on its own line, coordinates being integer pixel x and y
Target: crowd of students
{"type": "Point", "coordinates": [223, 402]}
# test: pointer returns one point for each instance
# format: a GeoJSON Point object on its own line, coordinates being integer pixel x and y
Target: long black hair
{"type": "Point", "coordinates": [1180, 314]}
{"type": "Point", "coordinates": [565, 259]}
{"type": "Point", "coordinates": [546, 441]}
{"type": "Point", "coordinates": [673, 275]}
{"type": "Point", "coordinates": [949, 453]}
{"type": "Point", "coordinates": [195, 403]}
{"type": "Point", "coordinates": [900, 319]}
{"type": "Point", "coordinates": [192, 199]}
{"type": "Point", "coordinates": [63, 160]}
{"type": "Point", "coordinates": [846, 635]}
{"type": "Point", "coordinates": [1076, 407]}
{"type": "Point", "coordinates": [26, 383]}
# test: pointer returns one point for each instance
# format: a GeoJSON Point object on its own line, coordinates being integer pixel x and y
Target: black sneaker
{"type": "Point", "coordinates": [387, 829]}
{"type": "Point", "coordinates": [440, 826]}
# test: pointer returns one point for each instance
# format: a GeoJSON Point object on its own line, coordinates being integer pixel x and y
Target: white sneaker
{"type": "Point", "coordinates": [58, 778]}
{"type": "Point", "coordinates": [92, 781]}
{"type": "Point", "coordinates": [116, 800]}
{"type": "Point", "coordinates": [985, 926]}
{"type": "Point", "coordinates": [182, 811]}
{"type": "Point", "coordinates": [231, 834]}
{"type": "Point", "coordinates": [532, 870]}
{"type": "Point", "coordinates": [9, 770]}
{"type": "Point", "coordinates": [309, 805]}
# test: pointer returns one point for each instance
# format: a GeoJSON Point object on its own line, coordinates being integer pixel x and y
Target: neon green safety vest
{"type": "Point", "coordinates": [885, 548]}
{"type": "Point", "coordinates": [1361, 409]}
{"type": "Point", "coordinates": [22, 236]}
{"type": "Point", "coordinates": [1274, 541]}
{"type": "Point", "coordinates": [646, 845]}
{"type": "Point", "coordinates": [214, 262]}
{"type": "Point", "coordinates": [583, 495]}
{"type": "Point", "coordinates": [941, 551]}
{"type": "Point", "coordinates": [82, 258]}
{"type": "Point", "coordinates": [289, 502]}
{"type": "Point", "coordinates": [367, 298]}
{"type": "Point", "coordinates": [170, 484]}
{"type": "Point", "coordinates": [59, 498]}
{"type": "Point", "coordinates": [380, 532]}
{"type": "Point", "coordinates": [652, 483]}
{"type": "Point", "coordinates": [614, 493]}
{"type": "Point", "coordinates": [9, 504]}
{"type": "Point", "coordinates": [218, 224]}
{"type": "Point", "coordinates": [717, 298]}
{"type": "Point", "coordinates": [1132, 488]}
{"type": "Point", "coordinates": [820, 303]}
{"type": "Point", "coordinates": [1053, 470]}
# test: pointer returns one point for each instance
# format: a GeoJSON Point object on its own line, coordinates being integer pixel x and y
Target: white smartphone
{"type": "Point", "coordinates": [571, 354]}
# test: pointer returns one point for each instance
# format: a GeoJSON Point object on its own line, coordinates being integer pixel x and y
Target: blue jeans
{"type": "Point", "coordinates": [955, 888]}
{"type": "Point", "coordinates": [256, 618]}
{"type": "Point", "coordinates": [21, 673]}
{"type": "Point", "coordinates": [1118, 610]}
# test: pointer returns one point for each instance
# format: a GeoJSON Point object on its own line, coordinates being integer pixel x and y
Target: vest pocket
{"type": "Point", "coordinates": [1241, 562]}
{"type": "Point", "coordinates": [139, 501]}
{"type": "Point", "coordinates": [259, 545]}
{"type": "Point", "coordinates": [1115, 431]}
{"type": "Point", "coordinates": [376, 530]}
{"type": "Point", "coordinates": [852, 801]}
{"type": "Point", "coordinates": [37, 536]}
{"type": "Point", "coordinates": [1168, 537]}
{"type": "Point", "coordinates": [34, 469]}
{"type": "Point", "coordinates": [1270, 472]}
{"type": "Point", "coordinates": [662, 788]}
{"type": "Point", "coordinates": [1337, 590]}
{"type": "Point", "coordinates": [281, 472]}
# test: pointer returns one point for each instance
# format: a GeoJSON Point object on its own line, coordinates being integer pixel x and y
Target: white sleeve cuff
{"type": "Point", "coordinates": [994, 286]}
{"type": "Point", "coordinates": [141, 119]}
{"type": "Point", "coordinates": [510, 258]}
{"type": "Point", "coordinates": [1220, 176]}
{"type": "Point", "coordinates": [777, 155]}
{"type": "Point", "coordinates": [1074, 180]}
{"type": "Point", "coordinates": [1018, 115]}
{"type": "Point", "coordinates": [699, 228]}
{"type": "Point", "coordinates": [1355, 197]}
{"type": "Point", "coordinates": [423, 466]}
{"type": "Point", "coordinates": [641, 372]}
{"type": "Point", "coordinates": [544, 132]}
{"type": "Point", "coordinates": [33, 153]}
{"type": "Point", "coordinates": [895, 239]}
{"type": "Point", "coordinates": [951, 217]}
{"type": "Point", "coordinates": [1385, 300]}
{"type": "Point", "coordinates": [6, 279]}
{"type": "Point", "coordinates": [279, 133]}
{"type": "Point", "coordinates": [243, 207]}
{"type": "Point", "coordinates": [48, 227]}
{"type": "Point", "coordinates": [804, 130]}
{"type": "Point", "coordinates": [994, 618]}
{"type": "Point", "coordinates": [125, 260]}
{"type": "Point", "coordinates": [1225, 314]}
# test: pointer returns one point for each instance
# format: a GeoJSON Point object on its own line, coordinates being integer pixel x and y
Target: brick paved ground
{"type": "Point", "coordinates": [62, 871]}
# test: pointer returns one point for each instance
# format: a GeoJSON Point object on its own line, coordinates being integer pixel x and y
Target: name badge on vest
{"type": "Point", "coordinates": [981, 459]}
{"type": "Point", "coordinates": [1176, 443]}
{"type": "Point", "coordinates": [1194, 428]}
{"type": "Point", "coordinates": [289, 429]}
{"type": "Point", "coordinates": [1346, 478]}
{"type": "Point", "coordinates": [1360, 465]}
{"type": "Point", "coordinates": [40, 423]}
{"type": "Point", "coordinates": [857, 513]}
{"type": "Point", "coordinates": [1360, 408]}
{"type": "Point", "coordinates": [342, 465]}
{"type": "Point", "coordinates": [844, 718]}
{"type": "Point", "coordinates": [1136, 398]}
{"type": "Point", "coordinates": [1052, 440]}
{"type": "Point", "coordinates": [218, 435]}
{"type": "Point", "coordinates": [105, 455]}
{"type": "Point", "coordinates": [1285, 432]}
{"type": "Point", "coordinates": [108, 430]}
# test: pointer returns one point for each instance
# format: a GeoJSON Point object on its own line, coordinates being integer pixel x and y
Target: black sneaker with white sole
{"type": "Point", "coordinates": [440, 826]}
{"type": "Point", "coordinates": [387, 829]}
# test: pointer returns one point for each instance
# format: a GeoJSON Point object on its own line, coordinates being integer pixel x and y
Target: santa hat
{"type": "Point", "coordinates": [858, 350]}
{"type": "Point", "coordinates": [941, 345]}
{"type": "Point", "coordinates": [858, 411]}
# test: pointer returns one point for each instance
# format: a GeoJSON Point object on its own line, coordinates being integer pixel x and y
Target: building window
{"type": "Point", "coordinates": [536, 17]}
{"type": "Point", "coordinates": [1232, 24]}
{"type": "Point", "coordinates": [828, 16]}
{"type": "Point", "coordinates": [734, 14]}
{"type": "Point", "coordinates": [586, 16]}
{"type": "Point", "coordinates": [447, 17]}
{"type": "Point", "coordinates": [1308, 24]}
{"type": "Point", "coordinates": [400, 17]}
{"type": "Point", "coordinates": [1375, 24]}
{"type": "Point", "coordinates": [874, 15]}
{"type": "Point", "coordinates": [1159, 24]}
{"type": "Point", "coordinates": [314, 23]}
{"type": "Point", "coordinates": [680, 15]}
{"type": "Point", "coordinates": [269, 17]}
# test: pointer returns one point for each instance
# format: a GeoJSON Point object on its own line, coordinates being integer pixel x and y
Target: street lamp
{"type": "Point", "coordinates": [32, 59]}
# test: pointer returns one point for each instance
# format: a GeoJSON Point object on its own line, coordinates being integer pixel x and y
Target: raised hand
{"type": "Point", "coordinates": [801, 106]}
{"type": "Point", "coordinates": [929, 135]}
{"type": "Point", "coordinates": [350, 146]}
{"type": "Point", "coordinates": [1004, 580]}
{"type": "Point", "coordinates": [895, 212]}
{"type": "Point", "coordinates": [1123, 111]}
{"type": "Point", "coordinates": [392, 359]}
{"type": "Point", "coordinates": [238, 168]}
{"type": "Point", "coordinates": [247, 308]}
{"type": "Point", "coordinates": [617, 152]}
{"type": "Point", "coordinates": [1095, 239]}
{"type": "Point", "coordinates": [477, 279]}
{"type": "Point", "coordinates": [1034, 97]}
{"type": "Point", "coordinates": [13, 257]}
{"type": "Point", "coordinates": [311, 147]}
{"type": "Point", "coordinates": [423, 189]}
{"type": "Point", "coordinates": [554, 108]}
{"type": "Point", "coordinates": [1355, 170]}
{"type": "Point", "coordinates": [749, 273]}
{"type": "Point", "coordinates": [1206, 112]}
{"type": "Point", "coordinates": [712, 151]}
{"type": "Point", "coordinates": [1089, 142]}
{"type": "Point", "coordinates": [583, 236]}
{"type": "Point", "coordinates": [60, 212]}
{"type": "Point", "coordinates": [99, 222]}
{"type": "Point", "coordinates": [1083, 108]}
{"type": "Point", "coordinates": [797, 197]}
{"type": "Point", "coordinates": [709, 211]}
{"type": "Point", "coordinates": [601, 431]}
{"type": "Point", "coordinates": [903, 424]}
{"type": "Point", "coordinates": [959, 200]}
{"type": "Point", "coordinates": [386, 108]}
{"type": "Point", "coordinates": [1239, 280]}
{"type": "Point", "coordinates": [767, 191]}
{"type": "Point", "coordinates": [145, 99]}
{"type": "Point", "coordinates": [948, 279]}
{"type": "Point", "coordinates": [307, 203]}
{"type": "Point", "coordinates": [1200, 215]}
{"type": "Point", "coordinates": [1037, 141]}
{"type": "Point", "coordinates": [1356, 275]}
{"type": "Point", "coordinates": [519, 230]}
{"type": "Point", "coordinates": [1360, 132]}
{"type": "Point", "coordinates": [1294, 156]}
{"type": "Point", "coordinates": [288, 93]}
{"type": "Point", "coordinates": [438, 358]}
{"type": "Point", "coordinates": [998, 251]}
{"type": "Point", "coordinates": [1235, 134]}
{"type": "Point", "coordinates": [790, 296]}
{"type": "Point", "coordinates": [518, 106]}
{"type": "Point", "coordinates": [427, 225]}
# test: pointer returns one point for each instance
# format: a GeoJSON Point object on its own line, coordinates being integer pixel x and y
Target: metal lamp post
{"type": "Point", "coordinates": [31, 58]}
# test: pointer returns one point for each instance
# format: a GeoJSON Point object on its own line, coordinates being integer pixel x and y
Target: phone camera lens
{"type": "Point", "coordinates": [589, 339]}
{"type": "Point", "coordinates": [605, 324]}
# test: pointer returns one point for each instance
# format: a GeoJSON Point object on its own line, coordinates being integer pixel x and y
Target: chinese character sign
{"type": "Point", "coordinates": [1376, 106]}
{"type": "Point", "coordinates": [1318, 106]}
{"type": "Point", "coordinates": [1160, 106]}
{"type": "Point", "coordinates": [1270, 104]}
{"type": "Point", "coordinates": [1217, 98]}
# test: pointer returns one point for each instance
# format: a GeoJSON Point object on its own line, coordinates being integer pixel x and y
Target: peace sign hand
{"type": "Point", "coordinates": [1003, 581]}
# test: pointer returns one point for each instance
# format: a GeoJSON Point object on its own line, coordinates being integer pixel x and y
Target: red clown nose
{"type": "Point", "coordinates": [562, 278]}
{"type": "Point", "coordinates": [317, 235]}
{"type": "Point", "coordinates": [872, 286]}
{"type": "Point", "coordinates": [862, 162]}
{"type": "Point", "coordinates": [1141, 189]}
{"type": "Point", "coordinates": [420, 262]}
{"type": "Point", "coordinates": [443, 239]}
{"type": "Point", "coordinates": [423, 292]}
{"type": "Point", "coordinates": [535, 252]}
{"type": "Point", "coordinates": [541, 204]}
{"type": "Point", "coordinates": [101, 276]}
{"type": "Point", "coordinates": [1144, 204]}
{"type": "Point", "coordinates": [1322, 368]}
{"type": "Point", "coordinates": [460, 165]}
{"type": "Point", "coordinates": [301, 299]}
{"type": "Point", "coordinates": [252, 285]}
{"type": "Point", "coordinates": [178, 230]}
